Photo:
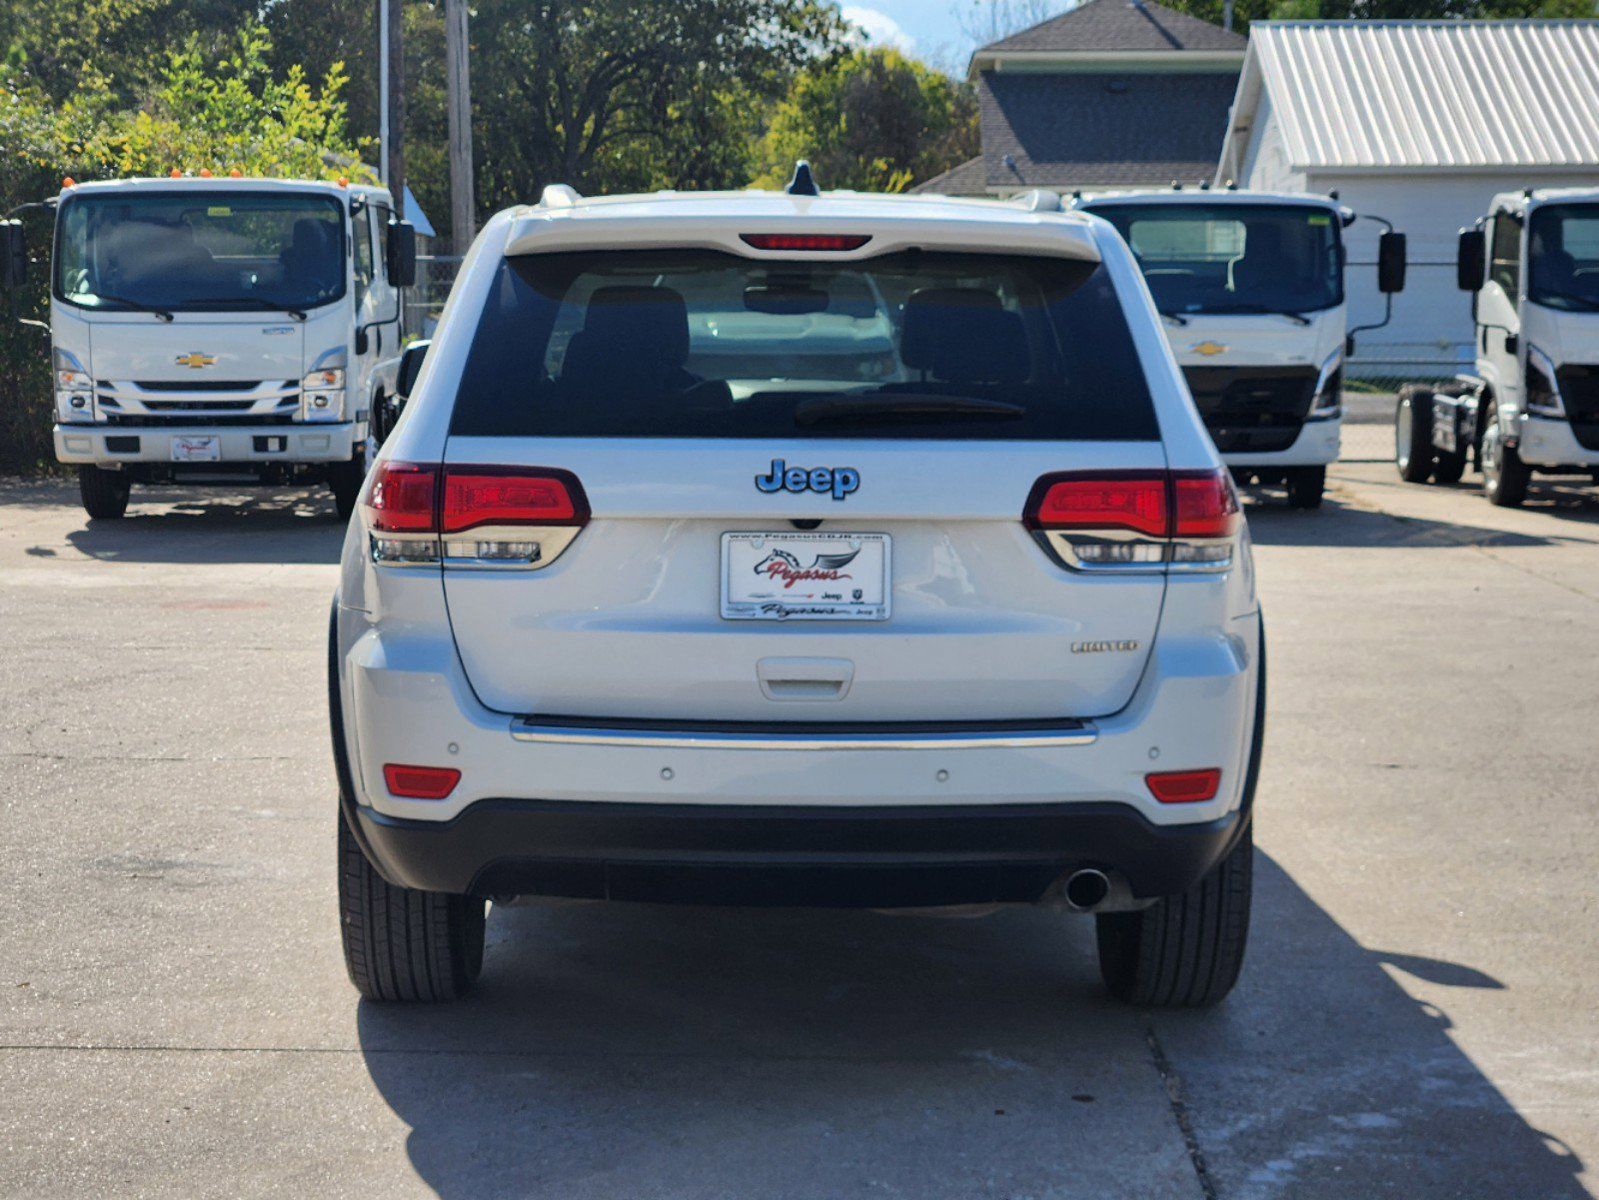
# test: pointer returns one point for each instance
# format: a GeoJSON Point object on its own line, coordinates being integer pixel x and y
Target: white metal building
{"type": "Point", "coordinates": [1421, 122]}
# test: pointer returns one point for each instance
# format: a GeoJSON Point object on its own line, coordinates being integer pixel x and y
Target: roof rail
{"type": "Point", "coordinates": [1038, 200]}
{"type": "Point", "coordinates": [559, 195]}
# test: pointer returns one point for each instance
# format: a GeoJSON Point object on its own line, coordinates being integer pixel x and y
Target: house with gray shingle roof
{"type": "Point", "coordinates": [1112, 94]}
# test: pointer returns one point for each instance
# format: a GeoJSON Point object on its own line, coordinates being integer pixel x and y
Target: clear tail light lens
{"type": "Point", "coordinates": [1137, 520]}
{"type": "Point", "coordinates": [471, 515]}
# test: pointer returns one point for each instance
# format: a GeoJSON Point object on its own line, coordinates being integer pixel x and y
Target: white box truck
{"type": "Point", "coordinates": [1251, 289]}
{"type": "Point", "coordinates": [1532, 268]}
{"type": "Point", "coordinates": [219, 331]}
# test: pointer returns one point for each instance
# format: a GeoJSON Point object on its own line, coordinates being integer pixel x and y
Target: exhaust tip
{"type": "Point", "coordinates": [1087, 889]}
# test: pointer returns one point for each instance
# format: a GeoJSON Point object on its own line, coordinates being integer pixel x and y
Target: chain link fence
{"type": "Point", "coordinates": [435, 275]}
{"type": "Point", "coordinates": [1371, 390]}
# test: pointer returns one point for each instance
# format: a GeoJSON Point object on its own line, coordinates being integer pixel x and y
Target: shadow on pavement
{"type": "Point", "coordinates": [651, 1051]}
{"type": "Point", "coordinates": [1343, 525]}
{"type": "Point", "coordinates": [199, 526]}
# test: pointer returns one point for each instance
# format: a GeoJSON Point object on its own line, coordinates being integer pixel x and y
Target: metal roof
{"type": "Point", "coordinates": [1429, 94]}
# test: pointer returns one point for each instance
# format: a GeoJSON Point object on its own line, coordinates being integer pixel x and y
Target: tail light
{"type": "Point", "coordinates": [830, 242]}
{"type": "Point", "coordinates": [420, 783]}
{"type": "Point", "coordinates": [1184, 787]}
{"type": "Point", "coordinates": [1137, 520]}
{"type": "Point", "coordinates": [472, 515]}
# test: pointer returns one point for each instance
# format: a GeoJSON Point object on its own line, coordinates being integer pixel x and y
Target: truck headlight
{"type": "Point", "coordinates": [1543, 389]}
{"type": "Point", "coordinates": [1328, 400]}
{"type": "Point", "coordinates": [74, 388]}
{"type": "Point", "coordinates": [322, 395]}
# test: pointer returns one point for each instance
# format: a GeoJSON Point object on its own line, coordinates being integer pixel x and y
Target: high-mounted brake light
{"type": "Point", "coordinates": [1184, 787]}
{"type": "Point", "coordinates": [805, 241]}
{"type": "Point", "coordinates": [421, 514]}
{"type": "Point", "coordinates": [420, 783]}
{"type": "Point", "coordinates": [1136, 520]}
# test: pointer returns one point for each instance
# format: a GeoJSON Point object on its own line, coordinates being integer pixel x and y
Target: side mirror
{"type": "Point", "coordinates": [410, 367]}
{"type": "Point", "coordinates": [1391, 262]}
{"type": "Point", "coordinates": [1470, 260]}
{"type": "Point", "coordinates": [13, 255]}
{"type": "Point", "coordinates": [399, 250]}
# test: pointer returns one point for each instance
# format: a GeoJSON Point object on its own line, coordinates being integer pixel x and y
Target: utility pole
{"type": "Point", "coordinates": [1227, 15]}
{"type": "Point", "coordinates": [392, 98]}
{"type": "Point", "coordinates": [463, 218]}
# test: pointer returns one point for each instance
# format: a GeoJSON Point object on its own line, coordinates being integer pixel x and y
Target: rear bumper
{"type": "Point", "coordinates": [1316, 445]}
{"type": "Point", "coordinates": [789, 855]}
{"type": "Point", "coordinates": [107, 445]}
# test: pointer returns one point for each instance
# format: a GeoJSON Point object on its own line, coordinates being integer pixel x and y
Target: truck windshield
{"type": "Point", "coordinates": [222, 251]}
{"type": "Point", "coordinates": [1563, 257]}
{"type": "Point", "coordinates": [692, 343]}
{"type": "Point", "coordinates": [1234, 258]}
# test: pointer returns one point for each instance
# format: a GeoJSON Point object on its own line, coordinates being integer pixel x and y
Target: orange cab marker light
{"type": "Point", "coordinates": [205, 172]}
{"type": "Point", "coordinates": [1184, 787]}
{"type": "Point", "coordinates": [343, 181]}
{"type": "Point", "coordinates": [174, 174]}
{"type": "Point", "coordinates": [69, 182]}
{"type": "Point", "coordinates": [420, 783]}
{"type": "Point", "coordinates": [235, 174]}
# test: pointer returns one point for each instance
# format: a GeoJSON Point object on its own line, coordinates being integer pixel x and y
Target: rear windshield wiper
{"type": "Point", "coordinates": [140, 305]}
{"type": "Point", "coordinates": [820, 409]}
{"type": "Point", "coordinates": [1301, 318]}
{"type": "Point", "coordinates": [1176, 318]}
{"type": "Point", "coordinates": [253, 301]}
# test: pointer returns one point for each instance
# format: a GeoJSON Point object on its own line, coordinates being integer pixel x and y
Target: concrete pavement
{"type": "Point", "coordinates": [1417, 1017]}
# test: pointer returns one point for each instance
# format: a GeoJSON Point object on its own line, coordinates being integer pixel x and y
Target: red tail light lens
{"type": "Point", "coordinates": [1184, 787]}
{"type": "Point", "coordinates": [475, 496]}
{"type": "Point", "coordinates": [805, 241]}
{"type": "Point", "coordinates": [420, 783]}
{"type": "Point", "coordinates": [403, 499]}
{"type": "Point", "coordinates": [1132, 501]}
{"type": "Point", "coordinates": [1204, 505]}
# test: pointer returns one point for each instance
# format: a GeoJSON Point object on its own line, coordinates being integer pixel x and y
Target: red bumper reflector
{"type": "Point", "coordinates": [420, 783]}
{"type": "Point", "coordinates": [805, 241]}
{"type": "Point", "coordinates": [1184, 787]}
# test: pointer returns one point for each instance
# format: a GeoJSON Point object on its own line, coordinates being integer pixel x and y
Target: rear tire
{"type": "Point", "coordinates": [1448, 468]}
{"type": "Point", "coordinates": [104, 493]}
{"type": "Point", "coordinates": [346, 479]}
{"type": "Point", "coordinates": [1504, 476]}
{"type": "Point", "coordinates": [1186, 951]}
{"type": "Point", "coordinates": [401, 944]}
{"type": "Point", "coordinates": [1413, 450]}
{"type": "Point", "coordinates": [1305, 486]}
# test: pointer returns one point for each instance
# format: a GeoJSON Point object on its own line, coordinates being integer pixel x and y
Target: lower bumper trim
{"type": "Point", "coordinates": [824, 856]}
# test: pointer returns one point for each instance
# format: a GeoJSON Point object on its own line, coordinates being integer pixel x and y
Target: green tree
{"type": "Point", "coordinates": [870, 119]}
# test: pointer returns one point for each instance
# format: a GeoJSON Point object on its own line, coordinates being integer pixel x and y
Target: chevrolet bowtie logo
{"type": "Point", "coordinates": [1208, 349]}
{"type": "Point", "coordinates": [196, 360]}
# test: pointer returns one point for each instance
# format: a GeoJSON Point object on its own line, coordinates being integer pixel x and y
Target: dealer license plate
{"type": "Point", "coordinates": [805, 576]}
{"type": "Point", "coordinates": [197, 449]}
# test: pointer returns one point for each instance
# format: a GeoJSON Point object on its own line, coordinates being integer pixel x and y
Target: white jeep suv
{"type": "Point", "coordinates": [797, 549]}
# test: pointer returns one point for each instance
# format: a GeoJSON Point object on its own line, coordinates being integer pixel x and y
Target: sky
{"type": "Point", "coordinates": [929, 29]}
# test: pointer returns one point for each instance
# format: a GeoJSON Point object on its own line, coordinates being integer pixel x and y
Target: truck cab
{"type": "Point", "coordinates": [1532, 405]}
{"type": "Point", "coordinates": [220, 331]}
{"type": "Point", "coordinates": [1250, 288]}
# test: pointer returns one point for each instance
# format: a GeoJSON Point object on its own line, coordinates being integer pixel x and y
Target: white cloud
{"type": "Point", "coordinates": [878, 28]}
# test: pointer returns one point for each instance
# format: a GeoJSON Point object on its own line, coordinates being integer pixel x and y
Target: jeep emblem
{"type": "Point", "coordinates": [835, 481]}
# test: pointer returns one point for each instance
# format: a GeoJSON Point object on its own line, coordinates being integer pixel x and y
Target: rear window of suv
{"type": "Point", "coordinates": [696, 343]}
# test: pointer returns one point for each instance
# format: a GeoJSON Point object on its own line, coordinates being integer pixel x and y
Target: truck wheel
{"type": "Point", "coordinates": [1447, 467]}
{"type": "Point", "coordinates": [1413, 451]}
{"type": "Point", "coordinates": [1504, 475]}
{"type": "Point", "coordinates": [1305, 486]}
{"type": "Point", "coordinates": [346, 479]}
{"type": "Point", "coordinates": [400, 943]}
{"type": "Point", "coordinates": [104, 493]}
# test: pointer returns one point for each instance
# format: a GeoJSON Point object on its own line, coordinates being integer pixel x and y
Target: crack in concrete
{"type": "Point", "coordinates": [1173, 1084]}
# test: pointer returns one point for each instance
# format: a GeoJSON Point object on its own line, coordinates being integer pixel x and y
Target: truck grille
{"type": "Point", "coordinates": [198, 385]}
{"type": "Point", "coordinates": [1579, 387]}
{"type": "Point", "coordinates": [1258, 409]}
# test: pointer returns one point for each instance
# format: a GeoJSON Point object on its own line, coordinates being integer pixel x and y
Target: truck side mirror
{"type": "Point", "coordinates": [13, 255]}
{"type": "Point", "coordinates": [1470, 260]}
{"type": "Point", "coordinates": [410, 367]}
{"type": "Point", "coordinates": [399, 250]}
{"type": "Point", "coordinates": [1391, 262]}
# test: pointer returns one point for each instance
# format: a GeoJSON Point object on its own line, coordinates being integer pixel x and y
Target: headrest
{"type": "Point", "coordinates": [964, 335]}
{"type": "Point", "coordinates": [651, 322]}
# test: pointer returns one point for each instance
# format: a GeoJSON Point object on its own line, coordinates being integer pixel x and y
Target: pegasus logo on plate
{"type": "Point", "coordinates": [826, 568]}
{"type": "Point", "coordinates": [839, 481]}
{"type": "Point", "coordinates": [195, 360]}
